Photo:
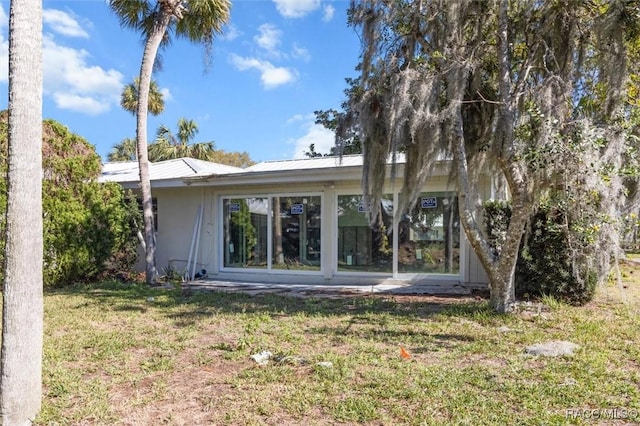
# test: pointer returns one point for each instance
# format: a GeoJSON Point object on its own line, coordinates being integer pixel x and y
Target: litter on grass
{"type": "Point", "coordinates": [404, 354]}
{"type": "Point", "coordinates": [262, 358]}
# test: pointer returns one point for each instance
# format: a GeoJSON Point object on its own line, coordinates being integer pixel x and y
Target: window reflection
{"type": "Point", "coordinates": [429, 236]}
{"type": "Point", "coordinates": [362, 247]}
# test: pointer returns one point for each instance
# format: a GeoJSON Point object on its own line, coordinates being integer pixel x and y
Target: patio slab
{"type": "Point", "coordinates": [304, 290]}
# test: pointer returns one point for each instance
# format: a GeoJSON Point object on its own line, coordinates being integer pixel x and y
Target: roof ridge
{"type": "Point", "coordinates": [188, 161]}
{"type": "Point", "coordinates": [308, 159]}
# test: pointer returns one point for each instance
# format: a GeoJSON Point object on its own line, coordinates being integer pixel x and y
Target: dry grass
{"type": "Point", "coordinates": [127, 354]}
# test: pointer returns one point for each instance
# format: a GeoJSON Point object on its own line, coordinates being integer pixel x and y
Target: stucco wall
{"type": "Point", "coordinates": [178, 209]}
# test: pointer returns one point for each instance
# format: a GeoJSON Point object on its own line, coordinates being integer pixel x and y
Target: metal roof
{"type": "Point", "coordinates": [164, 170]}
{"type": "Point", "coordinates": [307, 164]}
{"type": "Point", "coordinates": [191, 171]}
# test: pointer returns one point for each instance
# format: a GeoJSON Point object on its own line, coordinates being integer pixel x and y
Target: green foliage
{"type": "Point", "coordinates": [169, 146]}
{"type": "Point", "coordinates": [88, 226]}
{"type": "Point", "coordinates": [546, 263]}
{"type": "Point", "coordinates": [242, 220]}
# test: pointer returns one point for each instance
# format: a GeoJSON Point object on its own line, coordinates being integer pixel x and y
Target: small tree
{"type": "Point", "coordinates": [88, 226]}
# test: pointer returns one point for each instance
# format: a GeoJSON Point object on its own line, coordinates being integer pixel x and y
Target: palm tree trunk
{"type": "Point", "coordinates": [22, 315]}
{"type": "Point", "coordinates": [146, 70]}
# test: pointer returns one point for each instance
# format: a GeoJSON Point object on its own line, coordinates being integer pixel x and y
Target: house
{"type": "Point", "coordinates": [303, 221]}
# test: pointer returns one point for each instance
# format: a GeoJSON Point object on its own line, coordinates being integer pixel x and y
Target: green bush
{"type": "Point", "coordinates": [546, 265]}
{"type": "Point", "coordinates": [88, 226]}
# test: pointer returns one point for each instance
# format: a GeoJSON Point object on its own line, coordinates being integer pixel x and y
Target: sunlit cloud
{"type": "Point", "coordinates": [230, 33]}
{"type": "Point", "coordinates": [85, 104]}
{"type": "Point", "coordinates": [270, 75]}
{"type": "Point", "coordinates": [296, 8]}
{"type": "Point", "coordinates": [301, 53]}
{"type": "Point", "coordinates": [328, 12]}
{"type": "Point", "coordinates": [63, 23]}
{"type": "Point", "coordinates": [322, 138]}
{"type": "Point", "coordinates": [72, 82]}
{"type": "Point", "coordinates": [268, 38]}
{"type": "Point", "coordinates": [166, 94]}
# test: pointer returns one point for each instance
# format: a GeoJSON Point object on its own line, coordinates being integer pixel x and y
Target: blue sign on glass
{"type": "Point", "coordinates": [363, 207]}
{"type": "Point", "coordinates": [234, 207]}
{"type": "Point", "coordinates": [429, 202]}
{"type": "Point", "coordinates": [297, 209]}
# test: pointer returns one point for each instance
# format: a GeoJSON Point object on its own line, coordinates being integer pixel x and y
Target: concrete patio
{"type": "Point", "coordinates": [390, 286]}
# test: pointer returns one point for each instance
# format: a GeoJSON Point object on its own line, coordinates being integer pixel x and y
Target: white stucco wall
{"type": "Point", "coordinates": [178, 210]}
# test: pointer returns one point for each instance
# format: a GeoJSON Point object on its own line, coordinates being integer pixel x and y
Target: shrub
{"type": "Point", "coordinates": [546, 265]}
{"type": "Point", "coordinates": [88, 226]}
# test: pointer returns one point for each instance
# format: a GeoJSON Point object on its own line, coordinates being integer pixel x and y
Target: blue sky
{"type": "Point", "coordinates": [276, 62]}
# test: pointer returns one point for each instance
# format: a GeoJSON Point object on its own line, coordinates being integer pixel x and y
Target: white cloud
{"type": "Point", "coordinates": [4, 60]}
{"type": "Point", "coordinates": [296, 118]}
{"type": "Point", "coordinates": [166, 94]}
{"type": "Point", "coordinates": [4, 46]}
{"type": "Point", "coordinates": [270, 75]}
{"type": "Point", "coordinates": [296, 8]}
{"type": "Point", "coordinates": [230, 33]}
{"type": "Point", "coordinates": [69, 79]}
{"type": "Point", "coordinates": [79, 103]}
{"type": "Point", "coordinates": [4, 19]}
{"type": "Point", "coordinates": [322, 138]}
{"type": "Point", "coordinates": [328, 13]}
{"type": "Point", "coordinates": [268, 38]}
{"type": "Point", "coordinates": [63, 23]}
{"type": "Point", "coordinates": [301, 53]}
{"type": "Point", "coordinates": [76, 85]}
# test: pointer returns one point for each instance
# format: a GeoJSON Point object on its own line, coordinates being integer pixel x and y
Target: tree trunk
{"type": "Point", "coordinates": [22, 315]}
{"type": "Point", "coordinates": [500, 267]}
{"type": "Point", "coordinates": [146, 70]}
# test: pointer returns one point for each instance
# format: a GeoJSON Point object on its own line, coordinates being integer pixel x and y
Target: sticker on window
{"type": "Point", "coordinates": [429, 203]}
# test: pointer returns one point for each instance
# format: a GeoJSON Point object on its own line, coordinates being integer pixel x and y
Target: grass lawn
{"type": "Point", "coordinates": [127, 354]}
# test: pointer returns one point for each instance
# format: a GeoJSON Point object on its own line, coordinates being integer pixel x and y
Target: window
{"type": "Point", "coordinates": [245, 232]}
{"type": "Point", "coordinates": [429, 235]}
{"type": "Point", "coordinates": [362, 247]}
{"type": "Point", "coordinates": [279, 232]}
{"type": "Point", "coordinates": [296, 232]}
{"type": "Point", "coordinates": [154, 205]}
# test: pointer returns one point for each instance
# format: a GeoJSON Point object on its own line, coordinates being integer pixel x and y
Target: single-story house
{"type": "Point", "coordinates": [303, 221]}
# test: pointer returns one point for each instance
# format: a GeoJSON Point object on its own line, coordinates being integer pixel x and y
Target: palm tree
{"type": "Point", "coordinates": [123, 151]}
{"type": "Point", "coordinates": [168, 146]}
{"type": "Point", "coordinates": [195, 20]}
{"type": "Point", "coordinates": [129, 97]}
{"type": "Point", "coordinates": [126, 149]}
{"type": "Point", "coordinates": [22, 313]}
